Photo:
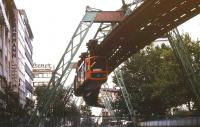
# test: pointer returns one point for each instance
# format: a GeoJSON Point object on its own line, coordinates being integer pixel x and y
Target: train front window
{"type": "Point", "coordinates": [98, 64]}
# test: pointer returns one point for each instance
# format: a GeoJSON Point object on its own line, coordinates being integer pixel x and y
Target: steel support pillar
{"type": "Point", "coordinates": [184, 60]}
{"type": "Point", "coordinates": [125, 94]}
{"type": "Point", "coordinates": [107, 99]}
{"type": "Point", "coordinates": [63, 68]}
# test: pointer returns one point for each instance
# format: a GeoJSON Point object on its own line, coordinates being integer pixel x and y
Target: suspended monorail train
{"type": "Point", "coordinates": [91, 73]}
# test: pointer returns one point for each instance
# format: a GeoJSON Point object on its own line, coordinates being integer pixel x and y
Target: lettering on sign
{"type": "Point", "coordinates": [42, 66]}
{"type": "Point", "coordinates": [14, 40]}
{"type": "Point", "coordinates": [14, 74]}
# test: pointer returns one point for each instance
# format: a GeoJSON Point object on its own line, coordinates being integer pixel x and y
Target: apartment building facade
{"type": "Point", "coordinates": [22, 63]}
{"type": "Point", "coordinates": [5, 50]}
{"type": "Point", "coordinates": [15, 52]}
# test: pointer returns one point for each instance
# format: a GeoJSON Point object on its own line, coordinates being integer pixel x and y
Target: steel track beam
{"type": "Point", "coordinates": [151, 20]}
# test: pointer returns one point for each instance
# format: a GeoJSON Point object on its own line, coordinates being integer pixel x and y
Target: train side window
{"type": "Point", "coordinates": [98, 64]}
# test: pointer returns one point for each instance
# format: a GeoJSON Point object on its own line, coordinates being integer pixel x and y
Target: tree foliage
{"type": "Point", "coordinates": [86, 114]}
{"type": "Point", "coordinates": [13, 107]}
{"type": "Point", "coordinates": [60, 106]}
{"type": "Point", "coordinates": [155, 80]}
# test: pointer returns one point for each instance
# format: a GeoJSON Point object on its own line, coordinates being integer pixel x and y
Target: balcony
{"type": "Point", "coordinates": [28, 56]}
{"type": "Point", "coordinates": [28, 41]}
{"type": "Point", "coordinates": [3, 15]}
{"type": "Point", "coordinates": [28, 86]}
{"type": "Point", "coordinates": [28, 71]}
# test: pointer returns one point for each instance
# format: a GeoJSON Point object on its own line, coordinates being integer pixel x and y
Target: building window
{"type": "Point", "coordinates": [49, 75]}
{"type": "Point", "coordinates": [45, 75]}
{"type": "Point", "coordinates": [36, 75]}
{"type": "Point", "coordinates": [40, 75]}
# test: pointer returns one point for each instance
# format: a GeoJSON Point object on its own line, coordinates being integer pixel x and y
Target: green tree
{"type": "Point", "coordinates": [59, 107]}
{"type": "Point", "coordinates": [86, 114]}
{"type": "Point", "coordinates": [13, 107]}
{"type": "Point", "coordinates": [85, 110]}
{"type": "Point", "coordinates": [192, 47]}
{"type": "Point", "coordinates": [155, 80]}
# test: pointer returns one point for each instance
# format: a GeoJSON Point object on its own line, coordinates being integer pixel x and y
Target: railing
{"type": "Point", "coordinates": [13, 122]}
{"type": "Point", "coordinates": [28, 41]}
{"type": "Point", "coordinates": [28, 71]}
{"type": "Point", "coordinates": [68, 121]}
{"type": "Point", "coordinates": [28, 56]}
{"type": "Point", "coordinates": [175, 122]}
{"type": "Point", "coordinates": [28, 86]}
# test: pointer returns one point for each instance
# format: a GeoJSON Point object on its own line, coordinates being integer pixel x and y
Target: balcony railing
{"type": "Point", "coordinates": [28, 41]}
{"type": "Point", "coordinates": [28, 56]}
{"type": "Point", "coordinates": [28, 71]}
{"type": "Point", "coordinates": [28, 86]}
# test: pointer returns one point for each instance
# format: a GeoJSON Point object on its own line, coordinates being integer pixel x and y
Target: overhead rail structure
{"type": "Point", "coordinates": [149, 21]}
{"type": "Point", "coordinates": [126, 96]}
